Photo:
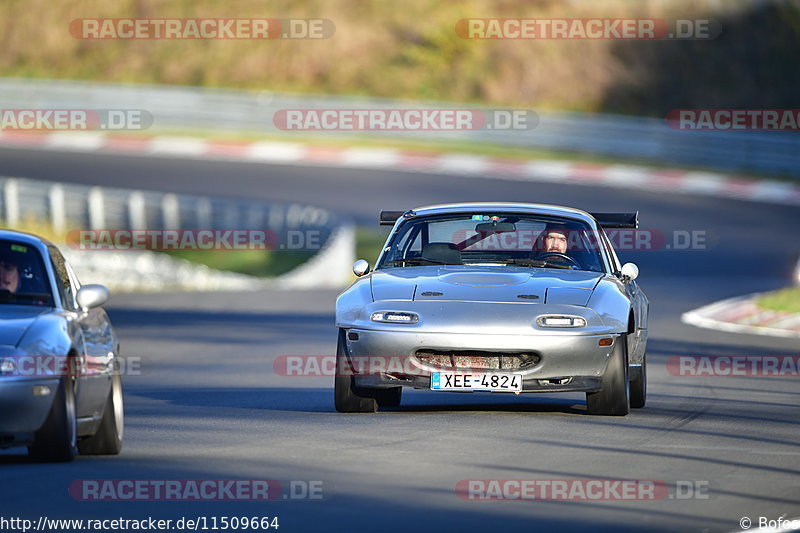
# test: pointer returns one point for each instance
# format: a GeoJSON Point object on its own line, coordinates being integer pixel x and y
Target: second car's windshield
{"type": "Point", "coordinates": [23, 279]}
{"type": "Point", "coordinates": [495, 238]}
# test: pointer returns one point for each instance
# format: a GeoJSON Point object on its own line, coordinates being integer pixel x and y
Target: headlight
{"type": "Point", "coordinates": [395, 317]}
{"type": "Point", "coordinates": [560, 321]}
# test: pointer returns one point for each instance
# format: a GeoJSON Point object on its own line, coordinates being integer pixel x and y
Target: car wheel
{"type": "Point", "coordinates": [55, 440]}
{"type": "Point", "coordinates": [614, 397]}
{"type": "Point", "coordinates": [108, 438]}
{"type": "Point", "coordinates": [348, 398]}
{"type": "Point", "coordinates": [639, 387]}
{"type": "Point", "coordinates": [389, 397]}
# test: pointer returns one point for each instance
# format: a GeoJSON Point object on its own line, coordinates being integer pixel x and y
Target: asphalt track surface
{"type": "Point", "coordinates": [208, 405]}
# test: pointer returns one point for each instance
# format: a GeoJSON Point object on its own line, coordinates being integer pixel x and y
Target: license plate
{"type": "Point", "coordinates": [464, 381]}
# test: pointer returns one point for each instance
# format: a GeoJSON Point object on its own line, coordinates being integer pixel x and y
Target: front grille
{"type": "Point", "coordinates": [477, 360]}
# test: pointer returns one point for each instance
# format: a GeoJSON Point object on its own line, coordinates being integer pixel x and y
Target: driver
{"type": "Point", "coordinates": [9, 274]}
{"type": "Point", "coordinates": [553, 240]}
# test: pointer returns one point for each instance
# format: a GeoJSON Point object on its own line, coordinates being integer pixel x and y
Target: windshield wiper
{"type": "Point", "coordinates": [528, 262]}
{"type": "Point", "coordinates": [413, 260]}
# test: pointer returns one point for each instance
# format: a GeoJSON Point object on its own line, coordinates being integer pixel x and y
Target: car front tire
{"type": "Point", "coordinates": [348, 398]}
{"type": "Point", "coordinates": [614, 398]}
{"type": "Point", "coordinates": [56, 439]}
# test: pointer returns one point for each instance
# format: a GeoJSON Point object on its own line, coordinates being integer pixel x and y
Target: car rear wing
{"type": "Point", "coordinates": [388, 218]}
{"type": "Point", "coordinates": [606, 220]}
{"type": "Point", "coordinates": [617, 220]}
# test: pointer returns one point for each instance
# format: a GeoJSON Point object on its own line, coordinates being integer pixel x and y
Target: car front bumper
{"type": "Point", "coordinates": [565, 362]}
{"type": "Point", "coordinates": [21, 411]}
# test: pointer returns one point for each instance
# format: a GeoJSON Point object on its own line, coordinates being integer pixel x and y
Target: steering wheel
{"type": "Point", "coordinates": [541, 256]}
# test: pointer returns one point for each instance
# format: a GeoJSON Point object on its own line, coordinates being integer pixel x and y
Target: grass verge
{"type": "Point", "coordinates": [259, 263]}
{"type": "Point", "coordinates": [369, 241]}
{"type": "Point", "coordinates": [787, 300]}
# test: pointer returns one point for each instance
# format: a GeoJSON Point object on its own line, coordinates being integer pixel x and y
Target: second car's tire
{"type": "Point", "coordinates": [639, 387]}
{"type": "Point", "coordinates": [55, 440]}
{"type": "Point", "coordinates": [108, 438]}
{"type": "Point", "coordinates": [614, 398]}
{"type": "Point", "coordinates": [348, 398]}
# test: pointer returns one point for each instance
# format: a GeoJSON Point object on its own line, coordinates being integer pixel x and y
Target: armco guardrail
{"type": "Point", "coordinates": [619, 136]}
{"type": "Point", "coordinates": [68, 207]}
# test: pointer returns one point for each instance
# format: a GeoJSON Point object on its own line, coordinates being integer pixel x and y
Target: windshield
{"type": "Point", "coordinates": [494, 238]}
{"type": "Point", "coordinates": [23, 278]}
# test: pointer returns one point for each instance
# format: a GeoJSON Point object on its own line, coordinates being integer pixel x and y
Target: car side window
{"type": "Point", "coordinates": [63, 282]}
{"type": "Point", "coordinates": [409, 242]}
{"type": "Point", "coordinates": [612, 254]}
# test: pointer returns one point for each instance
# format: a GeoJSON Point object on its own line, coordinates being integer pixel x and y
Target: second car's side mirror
{"type": "Point", "coordinates": [629, 272]}
{"type": "Point", "coordinates": [360, 267]}
{"type": "Point", "coordinates": [90, 296]}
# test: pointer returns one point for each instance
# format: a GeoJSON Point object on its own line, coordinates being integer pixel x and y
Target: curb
{"type": "Point", "coordinates": [461, 164]}
{"type": "Point", "coordinates": [742, 315]}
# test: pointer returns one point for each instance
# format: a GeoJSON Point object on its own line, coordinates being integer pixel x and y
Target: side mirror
{"type": "Point", "coordinates": [360, 267]}
{"type": "Point", "coordinates": [629, 271]}
{"type": "Point", "coordinates": [90, 296]}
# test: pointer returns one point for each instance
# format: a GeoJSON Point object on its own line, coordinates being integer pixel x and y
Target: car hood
{"type": "Point", "coordinates": [484, 284]}
{"type": "Point", "coordinates": [15, 321]}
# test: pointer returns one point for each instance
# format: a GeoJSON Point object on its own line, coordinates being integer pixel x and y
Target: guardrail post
{"type": "Point", "coordinates": [11, 195]}
{"type": "Point", "coordinates": [137, 215]}
{"type": "Point", "coordinates": [97, 209]}
{"type": "Point", "coordinates": [58, 214]}
{"type": "Point", "coordinates": [203, 211]}
{"type": "Point", "coordinates": [275, 219]}
{"type": "Point", "coordinates": [170, 212]}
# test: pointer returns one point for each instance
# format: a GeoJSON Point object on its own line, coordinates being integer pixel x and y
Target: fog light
{"type": "Point", "coordinates": [395, 317]}
{"type": "Point", "coordinates": [560, 321]}
{"type": "Point", "coordinates": [554, 381]}
{"type": "Point", "coordinates": [41, 390]}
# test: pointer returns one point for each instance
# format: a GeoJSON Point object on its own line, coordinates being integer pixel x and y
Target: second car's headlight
{"type": "Point", "coordinates": [395, 317]}
{"type": "Point", "coordinates": [560, 321]}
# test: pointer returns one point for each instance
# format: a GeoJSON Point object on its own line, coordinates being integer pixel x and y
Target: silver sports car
{"type": "Point", "coordinates": [496, 297]}
{"type": "Point", "coordinates": [60, 390]}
